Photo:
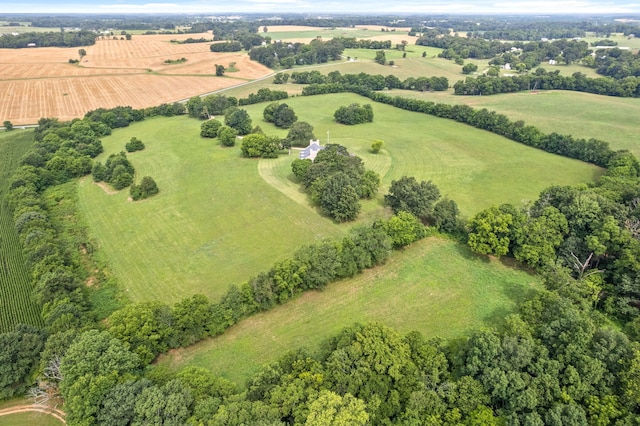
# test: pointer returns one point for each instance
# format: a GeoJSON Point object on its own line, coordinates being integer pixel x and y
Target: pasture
{"type": "Point", "coordinates": [219, 218]}
{"type": "Point", "coordinates": [16, 303]}
{"type": "Point", "coordinates": [17, 412]}
{"type": "Point", "coordinates": [582, 115]}
{"type": "Point", "coordinates": [435, 286]}
{"type": "Point", "coordinates": [41, 82]}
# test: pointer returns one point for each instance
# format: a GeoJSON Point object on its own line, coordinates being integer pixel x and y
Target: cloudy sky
{"type": "Point", "coordinates": [622, 7]}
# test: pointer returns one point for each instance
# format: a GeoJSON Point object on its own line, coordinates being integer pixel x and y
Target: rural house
{"type": "Point", "coordinates": [312, 150]}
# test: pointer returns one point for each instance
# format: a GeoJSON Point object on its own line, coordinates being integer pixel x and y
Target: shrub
{"type": "Point", "coordinates": [134, 144]}
{"type": "Point", "coordinates": [227, 136]}
{"type": "Point", "coordinates": [210, 128]}
{"type": "Point", "coordinates": [354, 114]}
{"type": "Point", "coordinates": [146, 189]}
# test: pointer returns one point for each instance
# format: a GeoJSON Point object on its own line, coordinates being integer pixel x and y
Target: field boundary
{"type": "Point", "coordinates": [58, 414]}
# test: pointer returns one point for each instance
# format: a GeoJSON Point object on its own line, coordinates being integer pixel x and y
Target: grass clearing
{"type": "Point", "coordinates": [582, 115]}
{"type": "Point", "coordinates": [476, 168]}
{"type": "Point", "coordinates": [215, 221]}
{"type": "Point", "coordinates": [435, 286]}
{"type": "Point", "coordinates": [16, 299]}
{"type": "Point", "coordinates": [29, 419]}
{"type": "Point", "coordinates": [219, 218]}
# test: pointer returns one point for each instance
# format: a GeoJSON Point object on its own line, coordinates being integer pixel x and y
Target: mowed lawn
{"type": "Point", "coordinates": [214, 223]}
{"type": "Point", "coordinates": [435, 286]}
{"type": "Point", "coordinates": [582, 115]}
{"type": "Point", "coordinates": [220, 219]}
{"type": "Point", "coordinates": [475, 168]}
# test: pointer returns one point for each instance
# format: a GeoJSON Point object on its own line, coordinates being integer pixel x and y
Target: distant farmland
{"type": "Point", "coordinates": [41, 82]}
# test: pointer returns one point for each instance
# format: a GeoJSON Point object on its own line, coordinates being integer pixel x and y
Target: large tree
{"type": "Point", "coordinates": [409, 195]}
{"type": "Point", "coordinates": [300, 134]}
{"type": "Point", "coordinates": [238, 119]}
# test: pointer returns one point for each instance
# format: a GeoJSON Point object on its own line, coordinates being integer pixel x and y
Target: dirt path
{"type": "Point", "coordinates": [34, 408]}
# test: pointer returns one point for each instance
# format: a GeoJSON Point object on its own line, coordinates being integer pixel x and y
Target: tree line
{"type": "Point", "coordinates": [370, 81]}
{"type": "Point", "coordinates": [48, 39]}
{"type": "Point", "coordinates": [543, 80]}
{"type": "Point", "coordinates": [287, 55]}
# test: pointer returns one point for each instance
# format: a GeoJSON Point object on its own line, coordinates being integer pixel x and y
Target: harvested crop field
{"type": "Point", "coordinates": [40, 82]}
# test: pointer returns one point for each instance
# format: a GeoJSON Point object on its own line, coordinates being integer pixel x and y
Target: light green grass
{"type": "Point", "coordinates": [26, 29]}
{"type": "Point", "coordinates": [435, 286]}
{"type": "Point", "coordinates": [582, 115]}
{"type": "Point", "coordinates": [29, 419]}
{"type": "Point", "coordinates": [220, 219]}
{"type": "Point", "coordinates": [476, 168]}
{"type": "Point", "coordinates": [324, 33]}
{"type": "Point", "coordinates": [215, 222]}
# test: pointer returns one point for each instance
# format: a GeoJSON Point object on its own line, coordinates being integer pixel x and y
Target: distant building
{"type": "Point", "coordinates": [31, 45]}
{"type": "Point", "coordinates": [312, 150]}
{"type": "Point", "coordinates": [552, 62]}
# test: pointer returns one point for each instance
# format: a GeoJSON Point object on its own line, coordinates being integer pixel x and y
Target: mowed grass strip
{"type": "Point", "coordinates": [214, 223]}
{"type": "Point", "coordinates": [16, 299]}
{"type": "Point", "coordinates": [436, 286]}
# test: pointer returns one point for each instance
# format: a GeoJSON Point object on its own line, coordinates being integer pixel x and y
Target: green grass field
{"type": "Point", "coordinates": [219, 218]}
{"type": "Point", "coordinates": [470, 166]}
{"type": "Point", "coordinates": [25, 28]}
{"type": "Point", "coordinates": [29, 419]}
{"type": "Point", "coordinates": [325, 33]}
{"type": "Point", "coordinates": [215, 221]}
{"type": "Point", "coordinates": [435, 286]}
{"type": "Point", "coordinates": [16, 302]}
{"type": "Point", "coordinates": [583, 115]}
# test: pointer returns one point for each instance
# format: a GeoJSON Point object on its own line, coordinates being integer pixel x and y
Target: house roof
{"type": "Point", "coordinates": [311, 151]}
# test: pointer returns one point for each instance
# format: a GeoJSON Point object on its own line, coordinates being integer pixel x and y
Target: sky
{"type": "Point", "coordinates": [426, 7]}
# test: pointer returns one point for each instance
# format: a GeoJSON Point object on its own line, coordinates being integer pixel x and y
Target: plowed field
{"type": "Point", "coordinates": [40, 82]}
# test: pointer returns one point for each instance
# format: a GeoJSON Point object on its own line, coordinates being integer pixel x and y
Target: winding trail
{"type": "Point", "coordinates": [34, 408]}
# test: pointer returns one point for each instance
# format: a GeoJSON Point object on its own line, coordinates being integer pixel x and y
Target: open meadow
{"type": "Point", "coordinates": [16, 301]}
{"type": "Point", "coordinates": [220, 218]}
{"type": "Point", "coordinates": [582, 115]}
{"type": "Point", "coordinates": [435, 286]}
{"type": "Point", "coordinates": [41, 82]}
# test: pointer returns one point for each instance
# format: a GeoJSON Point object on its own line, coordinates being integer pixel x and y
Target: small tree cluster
{"type": "Point", "coordinates": [209, 128]}
{"type": "Point", "coordinates": [354, 114]}
{"type": "Point", "coordinates": [8, 126]}
{"type": "Point", "coordinates": [337, 181]}
{"type": "Point", "coordinates": [238, 119]}
{"type": "Point", "coordinates": [263, 95]}
{"type": "Point", "coordinates": [204, 108]}
{"type": "Point", "coordinates": [281, 78]}
{"type": "Point", "coordinates": [227, 136]}
{"type": "Point", "coordinates": [469, 67]}
{"type": "Point", "coordinates": [116, 171]}
{"type": "Point", "coordinates": [230, 46]}
{"type": "Point", "coordinates": [260, 145]}
{"type": "Point", "coordinates": [377, 145]}
{"type": "Point", "coordinates": [146, 189]}
{"type": "Point", "coordinates": [220, 69]}
{"type": "Point", "coordinates": [134, 144]}
{"type": "Point", "coordinates": [280, 114]}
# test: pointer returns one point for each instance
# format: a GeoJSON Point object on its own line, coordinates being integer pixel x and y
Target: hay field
{"type": "Point", "coordinates": [41, 82]}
